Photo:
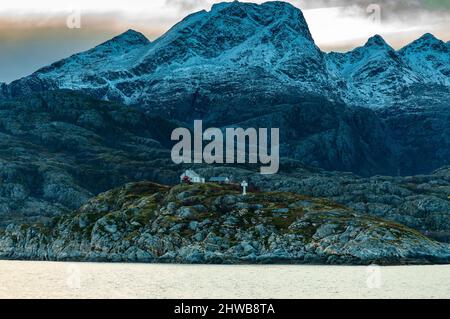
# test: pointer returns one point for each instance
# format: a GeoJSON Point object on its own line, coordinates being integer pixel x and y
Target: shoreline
{"type": "Point", "coordinates": [242, 264]}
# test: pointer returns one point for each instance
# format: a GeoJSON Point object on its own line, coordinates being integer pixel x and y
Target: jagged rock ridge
{"type": "Point", "coordinates": [269, 46]}
{"type": "Point", "coordinates": [145, 222]}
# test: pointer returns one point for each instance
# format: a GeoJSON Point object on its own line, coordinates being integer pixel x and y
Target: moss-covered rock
{"type": "Point", "coordinates": [209, 223]}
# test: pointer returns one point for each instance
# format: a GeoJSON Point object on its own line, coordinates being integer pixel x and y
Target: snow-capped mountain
{"type": "Point", "coordinates": [371, 110]}
{"type": "Point", "coordinates": [374, 74]}
{"type": "Point", "coordinates": [113, 56]}
{"type": "Point", "coordinates": [429, 57]}
{"type": "Point", "coordinates": [242, 54]}
{"type": "Point", "coordinates": [268, 47]}
{"type": "Point", "coordinates": [89, 71]}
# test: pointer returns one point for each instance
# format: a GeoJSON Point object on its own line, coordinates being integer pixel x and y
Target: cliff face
{"type": "Point", "coordinates": [146, 222]}
{"type": "Point", "coordinates": [58, 149]}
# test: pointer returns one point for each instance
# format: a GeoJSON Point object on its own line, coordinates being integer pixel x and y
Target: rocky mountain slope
{"type": "Point", "coordinates": [429, 57]}
{"type": "Point", "coordinates": [243, 63]}
{"type": "Point", "coordinates": [58, 149]}
{"type": "Point", "coordinates": [374, 74]}
{"type": "Point", "coordinates": [326, 134]}
{"type": "Point", "coordinates": [420, 202]}
{"type": "Point", "coordinates": [145, 222]}
{"type": "Point", "coordinates": [422, 130]}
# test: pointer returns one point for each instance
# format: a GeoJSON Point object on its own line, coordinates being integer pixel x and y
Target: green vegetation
{"type": "Point", "coordinates": [147, 218]}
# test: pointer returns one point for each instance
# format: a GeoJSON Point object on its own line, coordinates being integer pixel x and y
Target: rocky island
{"type": "Point", "coordinates": [364, 143]}
{"type": "Point", "coordinates": [215, 224]}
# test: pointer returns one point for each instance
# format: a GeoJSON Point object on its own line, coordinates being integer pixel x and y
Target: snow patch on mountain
{"type": "Point", "coordinates": [429, 57]}
{"type": "Point", "coordinates": [375, 75]}
{"type": "Point", "coordinates": [99, 66]}
{"type": "Point", "coordinates": [232, 38]}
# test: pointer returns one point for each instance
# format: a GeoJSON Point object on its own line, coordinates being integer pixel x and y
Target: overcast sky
{"type": "Point", "coordinates": [35, 33]}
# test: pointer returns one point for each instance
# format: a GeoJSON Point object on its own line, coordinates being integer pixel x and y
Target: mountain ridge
{"type": "Point", "coordinates": [225, 26]}
{"type": "Point", "coordinates": [430, 57]}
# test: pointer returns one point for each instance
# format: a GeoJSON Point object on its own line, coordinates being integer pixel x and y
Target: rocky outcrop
{"type": "Point", "coordinates": [145, 222]}
{"type": "Point", "coordinates": [420, 202]}
{"type": "Point", "coordinates": [420, 125]}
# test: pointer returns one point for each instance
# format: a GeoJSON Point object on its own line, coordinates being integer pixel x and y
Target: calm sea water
{"type": "Point", "coordinates": [91, 280]}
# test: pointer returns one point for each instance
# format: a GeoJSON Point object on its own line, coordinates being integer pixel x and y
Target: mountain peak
{"type": "Point", "coordinates": [129, 37]}
{"type": "Point", "coordinates": [264, 13]}
{"type": "Point", "coordinates": [427, 42]}
{"type": "Point", "coordinates": [377, 41]}
{"type": "Point", "coordinates": [429, 57]}
{"type": "Point", "coordinates": [221, 5]}
{"type": "Point", "coordinates": [274, 5]}
{"type": "Point", "coordinates": [229, 25]}
{"type": "Point", "coordinates": [429, 38]}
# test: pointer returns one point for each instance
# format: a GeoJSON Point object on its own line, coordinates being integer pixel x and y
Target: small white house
{"type": "Point", "coordinates": [192, 177]}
